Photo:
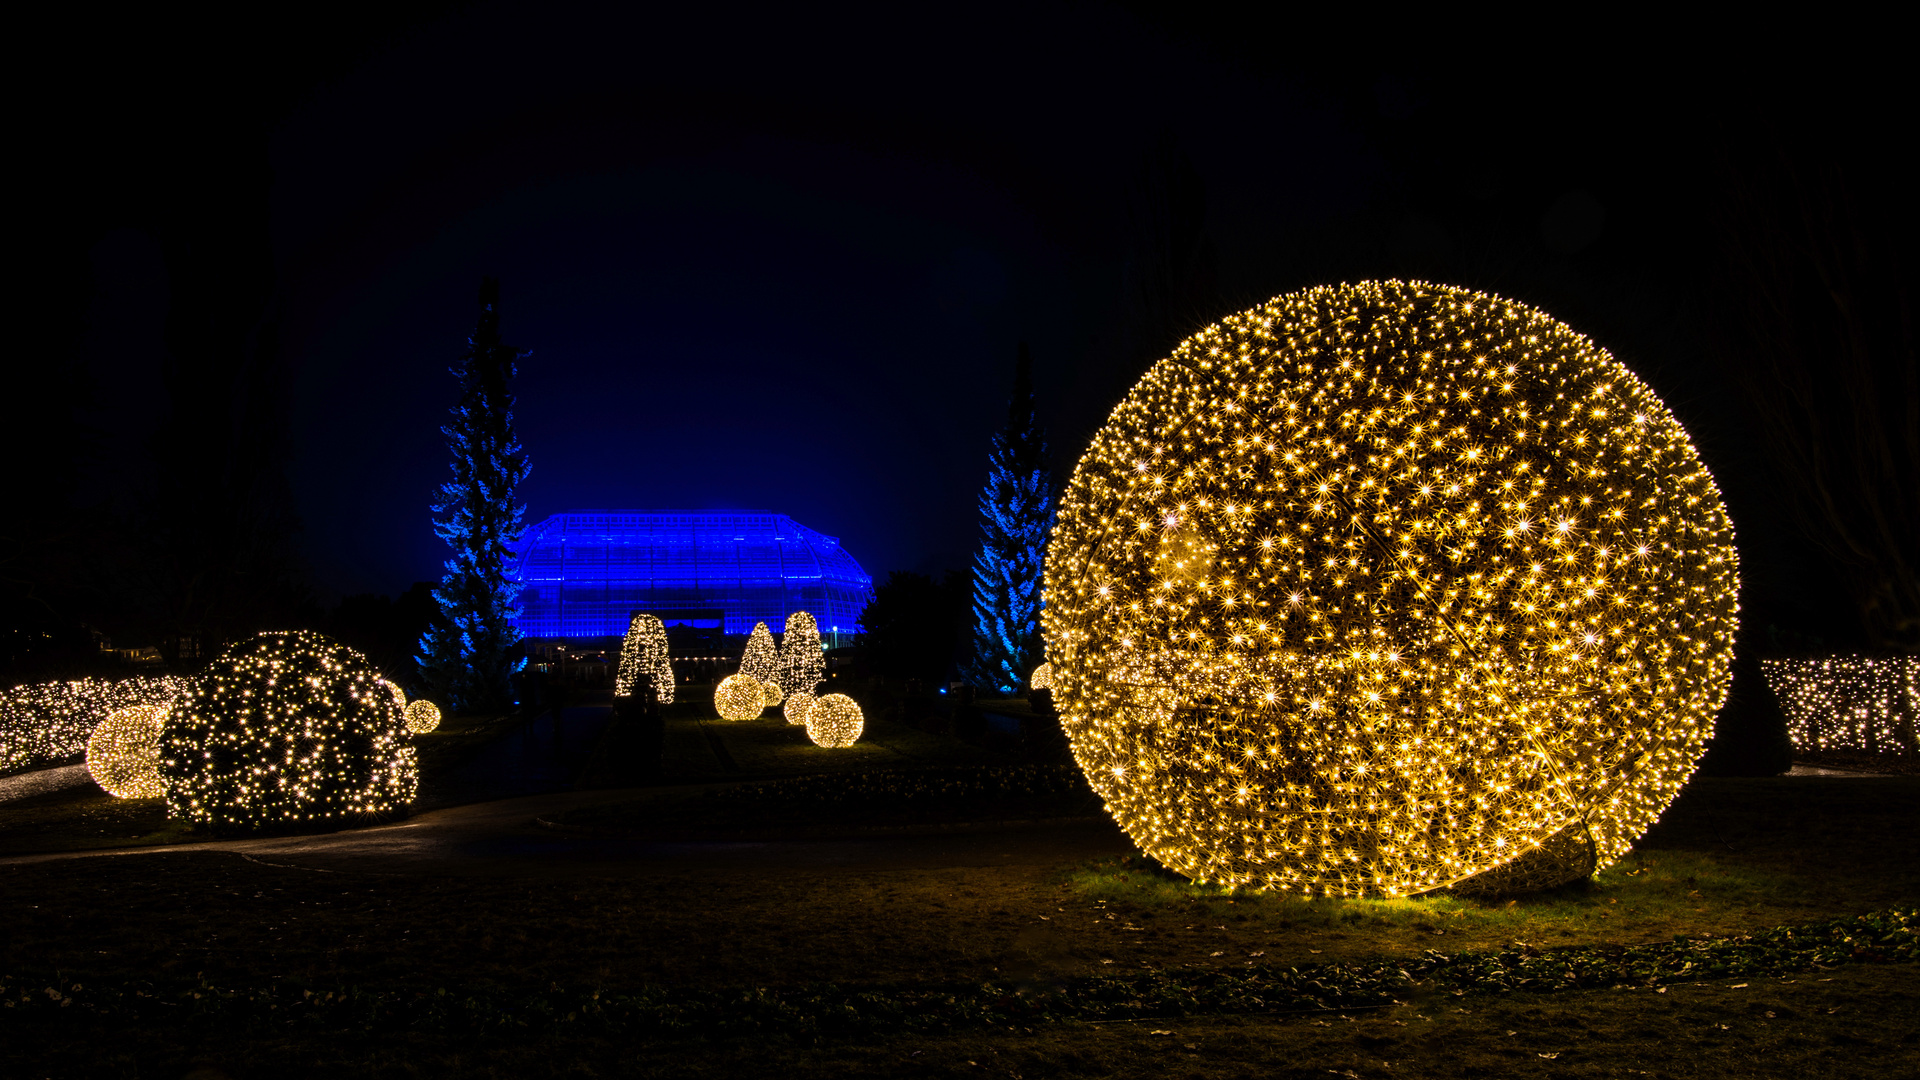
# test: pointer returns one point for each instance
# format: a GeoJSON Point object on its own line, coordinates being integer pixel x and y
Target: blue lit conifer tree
{"type": "Point", "coordinates": [470, 654]}
{"type": "Point", "coordinates": [1016, 513]}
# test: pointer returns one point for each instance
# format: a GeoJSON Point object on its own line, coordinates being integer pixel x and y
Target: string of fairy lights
{"type": "Point", "coordinates": [1373, 588]}
{"type": "Point", "coordinates": [644, 651]}
{"type": "Point", "coordinates": [285, 728]}
{"type": "Point", "coordinates": [1865, 703]}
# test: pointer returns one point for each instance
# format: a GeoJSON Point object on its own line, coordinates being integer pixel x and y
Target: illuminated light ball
{"type": "Point", "coordinates": [399, 695]}
{"type": "Point", "coordinates": [798, 704]}
{"type": "Point", "coordinates": [772, 694]}
{"type": "Point", "coordinates": [1376, 588]}
{"type": "Point", "coordinates": [740, 697]}
{"type": "Point", "coordinates": [1042, 678]}
{"type": "Point", "coordinates": [123, 754]}
{"type": "Point", "coordinates": [423, 716]}
{"type": "Point", "coordinates": [286, 728]}
{"type": "Point", "coordinates": [834, 721]}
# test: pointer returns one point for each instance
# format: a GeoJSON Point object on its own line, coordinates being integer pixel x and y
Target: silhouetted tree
{"type": "Point", "coordinates": [1016, 515]}
{"type": "Point", "coordinates": [470, 654]}
{"type": "Point", "coordinates": [912, 626]}
{"type": "Point", "coordinates": [1821, 336]}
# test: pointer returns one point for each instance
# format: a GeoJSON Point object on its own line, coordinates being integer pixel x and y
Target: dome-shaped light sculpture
{"type": "Point", "coordinates": [834, 721]}
{"type": "Point", "coordinates": [286, 728]}
{"type": "Point", "coordinates": [123, 754]}
{"type": "Point", "coordinates": [740, 697]}
{"type": "Point", "coordinates": [1372, 589]}
{"type": "Point", "coordinates": [802, 664]}
{"type": "Point", "coordinates": [1042, 678]}
{"type": "Point", "coordinates": [798, 705]}
{"type": "Point", "coordinates": [645, 652]}
{"type": "Point", "coordinates": [423, 716]}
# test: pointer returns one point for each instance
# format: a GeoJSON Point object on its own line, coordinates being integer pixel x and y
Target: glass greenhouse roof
{"type": "Point", "coordinates": [586, 572]}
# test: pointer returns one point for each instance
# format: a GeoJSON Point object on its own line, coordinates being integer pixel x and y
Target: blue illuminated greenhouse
{"type": "Point", "coordinates": [586, 572]}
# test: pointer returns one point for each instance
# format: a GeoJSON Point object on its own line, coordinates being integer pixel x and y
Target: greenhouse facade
{"type": "Point", "coordinates": [586, 572]}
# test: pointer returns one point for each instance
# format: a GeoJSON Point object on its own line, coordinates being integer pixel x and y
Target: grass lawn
{"type": "Point", "coordinates": [1731, 857]}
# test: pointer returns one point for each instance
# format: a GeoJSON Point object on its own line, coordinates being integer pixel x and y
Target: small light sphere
{"type": "Point", "coordinates": [399, 695]}
{"type": "Point", "coordinates": [423, 716]}
{"type": "Point", "coordinates": [1376, 589]}
{"type": "Point", "coordinates": [283, 728]}
{"type": "Point", "coordinates": [772, 694]}
{"type": "Point", "coordinates": [740, 697]}
{"type": "Point", "coordinates": [1042, 678]}
{"type": "Point", "coordinates": [123, 755]}
{"type": "Point", "coordinates": [834, 721]}
{"type": "Point", "coordinates": [798, 705]}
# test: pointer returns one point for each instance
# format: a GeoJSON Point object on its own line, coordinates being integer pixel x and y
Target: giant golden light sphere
{"type": "Point", "coordinates": [740, 697]}
{"type": "Point", "coordinates": [123, 753]}
{"type": "Point", "coordinates": [834, 721]}
{"type": "Point", "coordinates": [1375, 588]}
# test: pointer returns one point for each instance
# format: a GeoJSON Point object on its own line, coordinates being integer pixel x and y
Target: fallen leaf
{"type": "Point", "coordinates": [1159, 1032]}
{"type": "Point", "coordinates": [1262, 953]}
{"type": "Point", "coordinates": [1738, 986]}
{"type": "Point", "coordinates": [1551, 1056]}
{"type": "Point", "coordinates": [1315, 952]}
{"type": "Point", "coordinates": [1662, 990]}
{"type": "Point", "coordinates": [1216, 954]}
{"type": "Point", "coordinates": [1106, 961]}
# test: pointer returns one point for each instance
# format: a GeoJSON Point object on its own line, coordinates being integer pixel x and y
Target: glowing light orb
{"type": "Point", "coordinates": [423, 716]}
{"type": "Point", "coordinates": [1374, 588]}
{"type": "Point", "coordinates": [740, 697]}
{"type": "Point", "coordinates": [286, 728]}
{"type": "Point", "coordinates": [1042, 678]}
{"type": "Point", "coordinates": [798, 705]}
{"type": "Point", "coordinates": [834, 721]}
{"type": "Point", "coordinates": [1848, 702]}
{"type": "Point", "coordinates": [399, 695]}
{"type": "Point", "coordinates": [772, 694]}
{"type": "Point", "coordinates": [123, 754]}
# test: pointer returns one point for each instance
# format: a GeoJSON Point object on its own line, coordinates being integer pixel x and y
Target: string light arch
{"type": "Point", "coordinates": [1375, 588]}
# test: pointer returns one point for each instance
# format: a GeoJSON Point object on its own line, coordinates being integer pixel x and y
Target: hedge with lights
{"type": "Point", "coordinates": [802, 665]}
{"type": "Point", "coordinates": [42, 723]}
{"type": "Point", "coordinates": [123, 754]}
{"type": "Point", "coordinates": [1848, 702]}
{"type": "Point", "coordinates": [645, 652]}
{"type": "Point", "coordinates": [740, 697]}
{"type": "Point", "coordinates": [1372, 589]}
{"type": "Point", "coordinates": [286, 728]}
{"type": "Point", "coordinates": [834, 721]}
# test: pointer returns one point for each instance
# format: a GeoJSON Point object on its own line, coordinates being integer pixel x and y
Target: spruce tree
{"type": "Point", "coordinates": [471, 652]}
{"type": "Point", "coordinates": [761, 662]}
{"type": "Point", "coordinates": [1016, 513]}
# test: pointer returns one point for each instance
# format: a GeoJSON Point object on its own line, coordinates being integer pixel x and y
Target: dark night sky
{"type": "Point", "coordinates": [783, 261]}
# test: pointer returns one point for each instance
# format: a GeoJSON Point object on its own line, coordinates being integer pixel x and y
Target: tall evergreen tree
{"type": "Point", "coordinates": [470, 653]}
{"type": "Point", "coordinates": [1016, 513]}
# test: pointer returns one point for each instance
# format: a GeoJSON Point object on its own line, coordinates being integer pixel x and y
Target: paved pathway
{"type": "Point", "coordinates": [500, 839]}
